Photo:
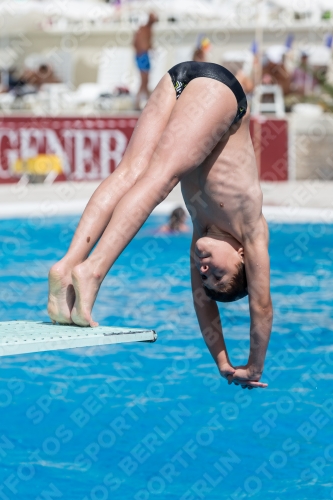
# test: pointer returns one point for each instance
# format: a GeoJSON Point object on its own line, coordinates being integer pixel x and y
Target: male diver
{"type": "Point", "coordinates": [194, 130]}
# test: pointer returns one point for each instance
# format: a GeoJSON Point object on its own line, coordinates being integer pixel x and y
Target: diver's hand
{"type": "Point", "coordinates": [247, 377]}
{"type": "Point", "coordinates": [226, 370]}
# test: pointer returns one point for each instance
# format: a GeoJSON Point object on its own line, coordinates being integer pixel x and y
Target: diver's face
{"type": "Point", "coordinates": [217, 260]}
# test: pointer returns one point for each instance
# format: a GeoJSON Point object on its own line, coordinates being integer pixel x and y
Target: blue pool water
{"type": "Point", "coordinates": [155, 421]}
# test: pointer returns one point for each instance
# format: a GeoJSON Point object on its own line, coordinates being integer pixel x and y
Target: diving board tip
{"type": "Point", "coordinates": [22, 337]}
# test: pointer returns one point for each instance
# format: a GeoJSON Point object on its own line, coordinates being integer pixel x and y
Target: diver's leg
{"type": "Point", "coordinates": [202, 115]}
{"type": "Point", "coordinates": [143, 90]}
{"type": "Point", "coordinates": [99, 210]}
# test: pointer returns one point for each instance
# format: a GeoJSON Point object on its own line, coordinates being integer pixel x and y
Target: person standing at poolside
{"type": "Point", "coordinates": [142, 44]}
{"type": "Point", "coordinates": [194, 130]}
{"type": "Point", "coordinates": [303, 78]}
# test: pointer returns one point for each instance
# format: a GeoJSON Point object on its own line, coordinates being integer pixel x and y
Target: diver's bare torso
{"type": "Point", "coordinates": [224, 190]}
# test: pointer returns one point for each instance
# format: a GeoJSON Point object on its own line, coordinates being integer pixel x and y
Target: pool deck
{"type": "Point", "coordinates": [295, 201]}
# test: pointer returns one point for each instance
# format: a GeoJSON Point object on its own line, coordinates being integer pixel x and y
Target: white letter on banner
{"type": "Point", "coordinates": [84, 154]}
{"type": "Point", "coordinates": [53, 145]}
{"type": "Point", "coordinates": [107, 154]}
{"type": "Point", "coordinates": [11, 152]}
{"type": "Point", "coordinates": [30, 148]}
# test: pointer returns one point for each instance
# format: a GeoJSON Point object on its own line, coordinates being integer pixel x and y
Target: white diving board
{"type": "Point", "coordinates": [21, 337]}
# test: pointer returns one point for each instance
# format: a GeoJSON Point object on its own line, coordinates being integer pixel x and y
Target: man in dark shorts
{"type": "Point", "coordinates": [194, 130]}
{"type": "Point", "coordinates": [142, 44]}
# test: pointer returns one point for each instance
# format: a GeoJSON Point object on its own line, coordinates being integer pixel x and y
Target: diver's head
{"type": "Point", "coordinates": [153, 18]}
{"type": "Point", "coordinates": [219, 257]}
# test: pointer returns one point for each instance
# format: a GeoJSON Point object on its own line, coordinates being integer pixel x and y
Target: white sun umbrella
{"type": "Point", "coordinates": [275, 53]}
{"type": "Point", "coordinates": [75, 10]}
{"type": "Point", "coordinates": [325, 4]}
{"type": "Point", "coordinates": [297, 5]}
{"type": "Point", "coordinates": [16, 18]}
{"type": "Point", "coordinates": [318, 55]}
{"type": "Point", "coordinates": [186, 8]}
{"type": "Point", "coordinates": [190, 8]}
{"type": "Point", "coordinates": [20, 17]}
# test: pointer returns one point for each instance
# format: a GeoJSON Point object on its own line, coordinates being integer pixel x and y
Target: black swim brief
{"type": "Point", "coordinates": [183, 73]}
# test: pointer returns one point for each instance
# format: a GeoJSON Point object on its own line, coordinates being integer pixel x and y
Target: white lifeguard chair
{"type": "Point", "coordinates": [274, 106]}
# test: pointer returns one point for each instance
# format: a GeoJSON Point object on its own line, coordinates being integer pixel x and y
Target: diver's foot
{"type": "Point", "coordinates": [61, 293]}
{"type": "Point", "coordinates": [86, 285]}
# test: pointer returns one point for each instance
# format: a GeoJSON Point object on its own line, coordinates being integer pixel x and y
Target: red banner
{"type": "Point", "coordinates": [91, 148]}
{"type": "Point", "coordinates": [270, 141]}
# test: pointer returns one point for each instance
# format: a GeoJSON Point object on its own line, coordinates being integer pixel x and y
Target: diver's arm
{"type": "Point", "coordinates": [209, 320]}
{"type": "Point", "coordinates": [261, 312]}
